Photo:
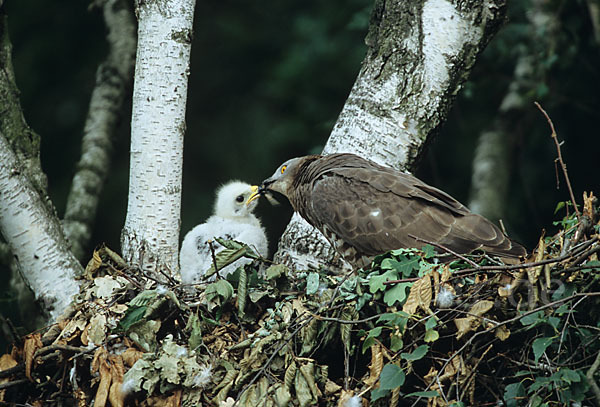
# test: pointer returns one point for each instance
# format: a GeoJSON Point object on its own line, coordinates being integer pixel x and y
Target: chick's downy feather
{"type": "Point", "coordinates": [232, 220]}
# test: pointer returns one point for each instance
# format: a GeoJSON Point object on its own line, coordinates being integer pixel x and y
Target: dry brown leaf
{"type": "Point", "coordinates": [446, 273]}
{"type": "Point", "coordinates": [533, 273]}
{"type": "Point", "coordinates": [481, 307]}
{"type": "Point", "coordinates": [229, 402]}
{"type": "Point", "coordinates": [376, 365]}
{"type": "Point", "coordinates": [161, 401]}
{"type": "Point", "coordinates": [331, 387]}
{"type": "Point", "coordinates": [436, 283]}
{"type": "Point", "coordinates": [73, 328]}
{"type": "Point", "coordinates": [502, 332]}
{"type": "Point", "coordinates": [93, 265]}
{"type": "Point", "coordinates": [117, 370]}
{"type": "Point", "coordinates": [84, 335]}
{"type": "Point", "coordinates": [131, 355]}
{"type": "Point", "coordinates": [32, 343]}
{"type": "Point", "coordinates": [103, 367]}
{"type": "Point", "coordinates": [6, 362]}
{"type": "Point", "coordinates": [420, 295]}
{"type": "Point", "coordinates": [472, 322]}
{"type": "Point", "coordinates": [345, 396]}
{"type": "Point", "coordinates": [588, 205]}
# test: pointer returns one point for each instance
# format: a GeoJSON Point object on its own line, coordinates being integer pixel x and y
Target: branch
{"type": "Point", "coordinates": [35, 237]}
{"type": "Point", "coordinates": [113, 83]}
{"type": "Point", "coordinates": [560, 159]}
{"type": "Point", "coordinates": [24, 142]}
{"type": "Point", "coordinates": [590, 378]}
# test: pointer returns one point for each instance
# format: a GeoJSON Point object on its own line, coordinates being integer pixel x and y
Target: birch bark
{"type": "Point", "coordinates": [150, 237]}
{"type": "Point", "coordinates": [419, 55]}
{"type": "Point", "coordinates": [35, 237]}
{"type": "Point", "coordinates": [113, 83]}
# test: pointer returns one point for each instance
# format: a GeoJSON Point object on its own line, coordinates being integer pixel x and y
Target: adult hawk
{"type": "Point", "coordinates": [365, 209]}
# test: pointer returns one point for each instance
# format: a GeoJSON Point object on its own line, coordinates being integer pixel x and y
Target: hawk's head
{"type": "Point", "coordinates": [282, 179]}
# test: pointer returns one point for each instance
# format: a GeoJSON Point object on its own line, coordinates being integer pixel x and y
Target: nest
{"type": "Point", "coordinates": [407, 331]}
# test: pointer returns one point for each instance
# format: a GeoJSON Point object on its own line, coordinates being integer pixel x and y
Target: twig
{"type": "Point", "coordinates": [345, 321]}
{"type": "Point", "coordinates": [214, 258]}
{"type": "Point", "coordinates": [560, 159]}
{"type": "Point", "coordinates": [509, 267]}
{"type": "Point", "coordinates": [402, 280]}
{"type": "Point", "coordinates": [590, 378]}
{"type": "Point", "coordinates": [13, 383]}
{"type": "Point", "coordinates": [498, 324]}
{"type": "Point", "coordinates": [268, 362]}
{"type": "Point", "coordinates": [444, 248]}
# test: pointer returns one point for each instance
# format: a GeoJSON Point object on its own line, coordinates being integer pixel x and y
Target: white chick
{"type": "Point", "coordinates": [232, 220]}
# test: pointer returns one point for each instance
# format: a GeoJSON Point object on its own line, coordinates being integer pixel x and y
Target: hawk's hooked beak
{"type": "Point", "coordinates": [256, 192]}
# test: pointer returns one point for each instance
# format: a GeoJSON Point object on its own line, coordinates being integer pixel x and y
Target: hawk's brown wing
{"type": "Point", "coordinates": [376, 209]}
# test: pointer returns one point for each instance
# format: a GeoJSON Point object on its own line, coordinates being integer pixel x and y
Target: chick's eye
{"type": "Point", "coordinates": [240, 198]}
{"type": "Point", "coordinates": [283, 167]}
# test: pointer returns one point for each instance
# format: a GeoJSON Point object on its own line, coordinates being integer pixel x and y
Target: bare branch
{"type": "Point", "coordinates": [560, 159]}
{"type": "Point", "coordinates": [113, 83]}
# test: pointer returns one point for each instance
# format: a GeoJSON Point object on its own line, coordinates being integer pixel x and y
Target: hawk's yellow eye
{"type": "Point", "coordinates": [283, 167]}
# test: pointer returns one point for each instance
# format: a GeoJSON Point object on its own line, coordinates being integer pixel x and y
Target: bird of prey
{"type": "Point", "coordinates": [365, 209]}
{"type": "Point", "coordinates": [232, 220]}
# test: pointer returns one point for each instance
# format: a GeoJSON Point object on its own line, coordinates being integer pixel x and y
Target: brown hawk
{"type": "Point", "coordinates": [365, 209]}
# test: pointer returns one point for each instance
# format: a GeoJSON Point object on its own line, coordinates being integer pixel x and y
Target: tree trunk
{"type": "Point", "coordinates": [28, 221]}
{"type": "Point", "coordinates": [150, 237]}
{"type": "Point", "coordinates": [35, 237]}
{"type": "Point", "coordinates": [113, 84]}
{"type": "Point", "coordinates": [419, 55]}
{"type": "Point", "coordinates": [491, 162]}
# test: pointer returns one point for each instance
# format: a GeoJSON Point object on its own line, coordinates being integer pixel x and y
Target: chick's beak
{"type": "Point", "coordinates": [256, 192]}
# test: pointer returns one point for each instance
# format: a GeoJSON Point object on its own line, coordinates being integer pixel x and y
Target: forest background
{"type": "Point", "coordinates": [268, 81]}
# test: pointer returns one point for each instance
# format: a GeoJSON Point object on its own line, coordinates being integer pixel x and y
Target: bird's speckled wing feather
{"type": "Point", "coordinates": [374, 209]}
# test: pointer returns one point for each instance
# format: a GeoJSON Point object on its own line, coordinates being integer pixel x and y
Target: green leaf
{"type": "Point", "coordinates": [391, 376]}
{"type": "Point", "coordinates": [194, 328]}
{"type": "Point", "coordinates": [398, 318]}
{"type": "Point", "coordinates": [220, 288]}
{"type": "Point", "coordinates": [416, 354]}
{"type": "Point", "coordinates": [370, 339]}
{"type": "Point", "coordinates": [376, 281]}
{"type": "Point", "coordinates": [409, 264]}
{"type": "Point", "coordinates": [225, 257]}
{"type": "Point", "coordinates": [512, 393]}
{"type": "Point", "coordinates": [312, 283]}
{"type": "Point", "coordinates": [570, 376]}
{"type": "Point", "coordinates": [428, 252]}
{"type": "Point", "coordinates": [427, 394]}
{"type": "Point", "coordinates": [133, 314]}
{"type": "Point", "coordinates": [533, 319]}
{"type": "Point", "coordinates": [396, 294]}
{"type": "Point", "coordinates": [553, 322]}
{"type": "Point", "coordinates": [275, 271]}
{"type": "Point", "coordinates": [430, 323]}
{"type": "Point", "coordinates": [403, 265]}
{"type": "Point", "coordinates": [378, 393]}
{"type": "Point", "coordinates": [396, 343]}
{"type": "Point", "coordinates": [431, 335]}
{"type": "Point", "coordinates": [559, 206]}
{"type": "Point", "coordinates": [539, 346]}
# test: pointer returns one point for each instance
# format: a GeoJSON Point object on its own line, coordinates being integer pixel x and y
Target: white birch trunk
{"type": "Point", "coordinates": [150, 237]}
{"type": "Point", "coordinates": [419, 55]}
{"type": "Point", "coordinates": [35, 237]}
